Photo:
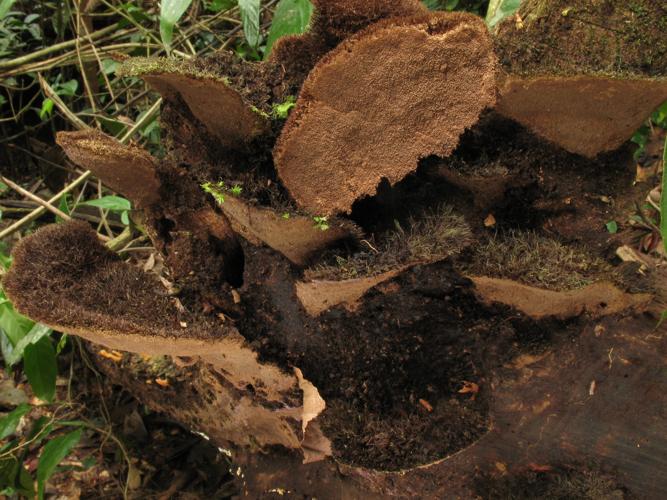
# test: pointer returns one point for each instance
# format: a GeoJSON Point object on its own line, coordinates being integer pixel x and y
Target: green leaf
{"type": "Point", "coordinates": [14, 325]}
{"type": "Point", "coordinates": [290, 18]}
{"type": "Point", "coordinates": [659, 117]}
{"type": "Point", "coordinates": [53, 453]}
{"type": "Point", "coordinates": [441, 4]}
{"type": "Point", "coordinates": [61, 343]}
{"type": "Point", "coordinates": [68, 88]}
{"type": "Point", "coordinates": [663, 317]}
{"type": "Point", "coordinates": [5, 5]}
{"type": "Point", "coordinates": [46, 110]}
{"type": "Point", "coordinates": [63, 206]}
{"type": "Point", "coordinates": [170, 13]}
{"type": "Point", "coordinates": [39, 364]}
{"type": "Point", "coordinates": [663, 200]}
{"type": "Point", "coordinates": [500, 9]}
{"type": "Point", "coordinates": [10, 422]}
{"type": "Point", "coordinates": [612, 227]}
{"type": "Point", "coordinates": [5, 260]}
{"type": "Point", "coordinates": [113, 203]}
{"type": "Point", "coordinates": [3, 187]}
{"type": "Point", "coordinates": [250, 17]}
{"type": "Point", "coordinates": [109, 66]}
{"type": "Point", "coordinates": [34, 335]}
{"type": "Point", "coordinates": [40, 430]}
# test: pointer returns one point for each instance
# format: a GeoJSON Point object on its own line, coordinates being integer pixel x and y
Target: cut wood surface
{"type": "Point", "coordinates": [596, 300]}
{"type": "Point", "coordinates": [385, 98]}
{"type": "Point", "coordinates": [297, 237]}
{"type": "Point", "coordinates": [587, 115]}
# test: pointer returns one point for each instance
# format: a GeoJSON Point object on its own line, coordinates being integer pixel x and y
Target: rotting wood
{"type": "Point", "coordinates": [260, 402]}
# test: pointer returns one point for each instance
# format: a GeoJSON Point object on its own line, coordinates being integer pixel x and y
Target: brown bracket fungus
{"type": "Point", "coordinates": [583, 75]}
{"type": "Point", "coordinates": [395, 93]}
{"type": "Point", "coordinates": [223, 110]}
{"type": "Point", "coordinates": [331, 23]}
{"type": "Point", "coordinates": [126, 169]}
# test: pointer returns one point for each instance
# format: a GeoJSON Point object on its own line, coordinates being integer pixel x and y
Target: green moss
{"type": "Point", "coordinates": [538, 261]}
{"type": "Point", "coordinates": [141, 66]}
{"type": "Point", "coordinates": [433, 236]}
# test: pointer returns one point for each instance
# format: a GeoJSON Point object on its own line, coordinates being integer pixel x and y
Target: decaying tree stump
{"type": "Point", "coordinates": [398, 349]}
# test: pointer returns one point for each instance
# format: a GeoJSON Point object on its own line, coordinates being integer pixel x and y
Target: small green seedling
{"type": "Point", "coordinates": [236, 190]}
{"type": "Point", "coordinates": [281, 111]}
{"type": "Point", "coordinates": [285, 215]}
{"type": "Point", "coordinates": [612, 227]}
{"type": "Point", "coordinates": [216, 190]}
{"type": "Point", "coordinates": [321, 222]}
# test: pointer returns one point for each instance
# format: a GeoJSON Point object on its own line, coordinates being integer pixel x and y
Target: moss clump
{"type": "Point", "coordinates": [572, 37]}
{"type": "Point", "coordinates": [538, 261]}
{"type": "Point", "coordinates": [433, 236]}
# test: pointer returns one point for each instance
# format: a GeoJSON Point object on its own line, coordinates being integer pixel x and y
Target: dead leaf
{"type": "Point", "coordinates": [539, 468]}
{"type": "Point", "coordinates": [469, 388]}
{"type": "Point", "coordinates": [114, 356]}
{"type": "Point", "coordinates": [490, 221]}
{"type": "Point", "coordinates": [591, 389]}
{"type": "Point", "coordinates": [133, 478]}
{"type": "Point", "coordinates": [179, 305]}
{"type": "Point", "coordinates": [427, 406]}
{"type": "Point", "coordinates": [162, 382]}
{"type": "Point", "coordinates": [646, 173]}
{"type": "Point", "coordinates": [150, 263]}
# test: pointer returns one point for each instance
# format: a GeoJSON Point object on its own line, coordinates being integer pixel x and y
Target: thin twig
{"type": "Point", "coordinates": [51, 94]}
{"type": "Point", "coordinates": [82, 178]}
{"type": "Point", "coordinates": [18, 61]}
{"type": "Point", "coordinates": [40, 210]}
{"type": "Point", "coordinates": [35, 198]}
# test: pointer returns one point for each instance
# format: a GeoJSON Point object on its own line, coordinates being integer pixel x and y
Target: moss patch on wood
{"type": "Point", "coordinates": [535, 260]}
{"type": "Point", "coordinates": [435, 235]}
{"type": "Point", "coordinates": [571, 37]}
